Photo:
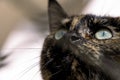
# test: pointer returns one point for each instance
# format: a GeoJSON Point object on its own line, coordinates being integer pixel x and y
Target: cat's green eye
{"type": "Point", "coordinates": [59, 34]}
{"type": "Point", "coordinates": [103, 34]}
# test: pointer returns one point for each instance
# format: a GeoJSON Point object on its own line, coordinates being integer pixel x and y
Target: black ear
{"type": "Point", "coordinates": [56, 15]}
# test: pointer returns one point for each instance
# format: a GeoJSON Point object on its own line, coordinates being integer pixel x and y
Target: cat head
{"type": "Point", "coordinates": [95, 40]}
{"type": "Point", "coordinates": [88, 36]}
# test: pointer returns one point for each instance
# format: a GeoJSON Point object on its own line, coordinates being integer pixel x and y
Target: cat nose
{"type": "Point", "coordinates": [74, 38]}
{"type": "Point", "coordinates": [77, 39]}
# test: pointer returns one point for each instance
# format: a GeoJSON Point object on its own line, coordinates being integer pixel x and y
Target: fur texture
{"type": "Point", "coordinates": [79, 55]}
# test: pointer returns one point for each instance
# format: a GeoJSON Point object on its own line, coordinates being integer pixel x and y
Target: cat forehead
{"type": "Point", "coordinates": [88, 20]}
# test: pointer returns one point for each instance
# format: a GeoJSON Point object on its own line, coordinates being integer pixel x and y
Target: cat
{"type": "Point", "coordinates": [80, 47]}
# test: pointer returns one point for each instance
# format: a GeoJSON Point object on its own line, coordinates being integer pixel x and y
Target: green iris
{"type": "Point", "coordinates": [103, 34]}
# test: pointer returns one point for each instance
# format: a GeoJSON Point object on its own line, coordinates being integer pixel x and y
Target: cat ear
{"type": "Point", "coordinates": [56, 15]}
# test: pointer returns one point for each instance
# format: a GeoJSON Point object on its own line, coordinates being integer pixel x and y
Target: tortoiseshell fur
{"type": "Point", "coordinates": [79, 55]}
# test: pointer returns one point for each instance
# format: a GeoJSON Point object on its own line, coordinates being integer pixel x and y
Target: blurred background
{"type": "Point", "coordinates": [15, 11]}
{"type": "Point", "coordinates": [24, 25]}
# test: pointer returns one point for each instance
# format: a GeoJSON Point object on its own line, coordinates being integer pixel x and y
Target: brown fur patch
{"type": "Point", "coordinates": [75, 21]}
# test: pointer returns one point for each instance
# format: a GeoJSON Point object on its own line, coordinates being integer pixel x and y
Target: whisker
{"type": "Point", "coordinates": [27, 70]}
{"type": "Point", "coordinates": [34, 58]}
{"type": "Point", "coordinates": [56, 73]}
{"type": "Point", "coordinates": [35, 74]}
{"type": "Point", "coordinates": [47, 63]}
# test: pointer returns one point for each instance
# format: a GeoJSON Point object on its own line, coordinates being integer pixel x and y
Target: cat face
{"type": "Point", "coordinates": [86, 39]}
{"type": "Point", "coordinates": [93, 36]}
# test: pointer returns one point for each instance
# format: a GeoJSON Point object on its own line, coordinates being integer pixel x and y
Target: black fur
{"type": "Point", "coordinates": [79, 55]}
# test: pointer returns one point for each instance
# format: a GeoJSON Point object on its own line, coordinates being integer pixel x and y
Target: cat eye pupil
{"type": "Point", "coordinates": [103, 34]}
